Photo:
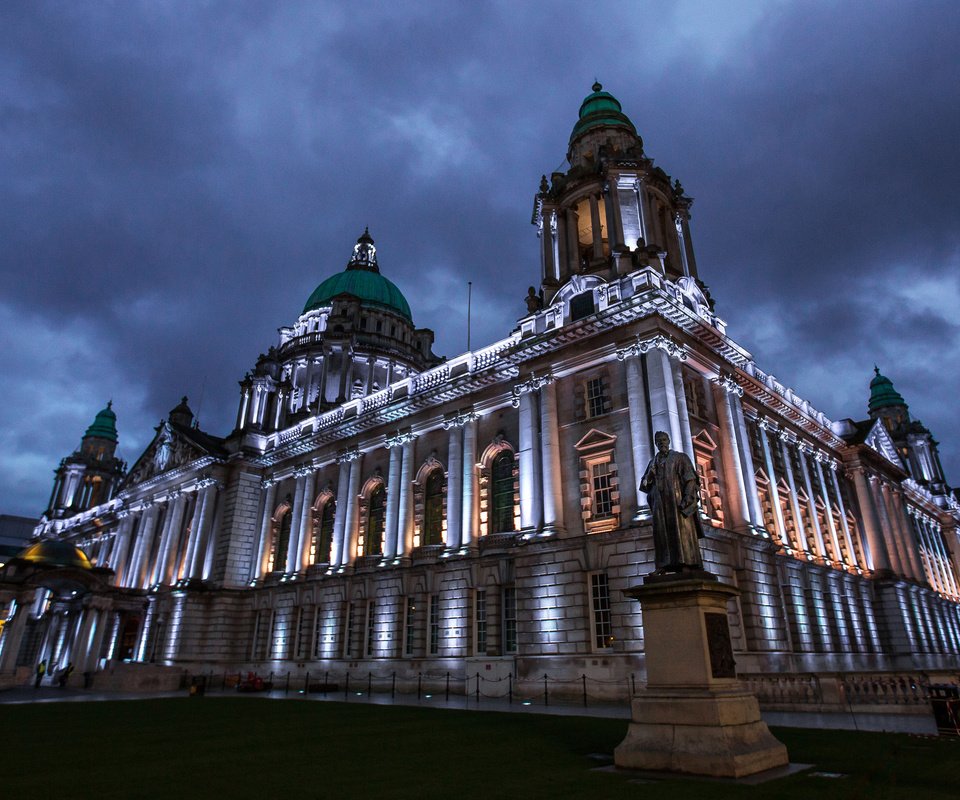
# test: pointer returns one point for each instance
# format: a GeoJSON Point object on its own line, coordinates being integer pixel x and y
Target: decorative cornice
{"type": "Point", "coordinates": [533, 384]}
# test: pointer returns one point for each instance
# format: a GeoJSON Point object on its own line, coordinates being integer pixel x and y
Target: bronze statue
{"type": "Point", "coordinates": [673, 489]}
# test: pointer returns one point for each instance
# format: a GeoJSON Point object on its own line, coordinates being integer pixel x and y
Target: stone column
{"type": "Point", "coordinates": [144, 545]}
{"type": "Point", "coordinates": [597, 232]}
{"type": "Point", "coordinates": [296, 513]}
{"type": "Point", "coordinates": [471, 495]}
{"type": "Point", "coordinates": [550, 459]}
{"type": "Point", "coordinates": [155, 570]}
{"type": "Point", "coordinates": [266, 522]}
{"type": "Point", "coordinates": [879, 560]}
{"type": "Point", "coordinates": [454, 483]}
{"type": "Point", "coordinates": [949, 586]}
{"type": "Point", "coordinates": [909, 536]}
{"type": "Point", "coordinates": [801, 529]}
{"type": "Point", "coordinates": [686, 443]}
{"type": "Point", "coordinates": [828, 508]}
{"type": "Point", "coordinates": [897, 536]}
{"type": "Point", "coordinates": [821, 550]}
{"type": "Point", "coordinates": [194, 534]}
{"type": "Point", "coordinates": [573, 241]}
{"type": "Point", "coordinates": [746, 459]}
{"type": "Point", "coordinates": [951, 578]}
{"type": "Point", "coordinates": [122, 548]}
{"type": "Point", "coordinates": [529, 478]}
{"type": "Point", "coordinates": [339, 521]}
{"type": "Point", "coordinates": [351, 515]}
{"type": "Point", "coordinates": [405, 508]}
{"type": "Point", "coordinates": [306, 521]}
{"type": "Point", "coordinates": [664, 412]}
{"type": "Point", "coordinates": [644, 212]}
{"type": "Point", "coordinates": [13, 634]}
{"type": "Point", "coordinates": [393, 499]}
{"type": "Point", "coordinates": [640, 445]}
{"type": "Point", "coordinates": [205, 528]}
{"type": "Point", "coordinates": [732, 465]}
{"type": "Point", "coordinates": [847, 535]}
{"type": "Point", "coordinates": [176, 531]}
{"type": "Point", "coordinates": [781, 532]}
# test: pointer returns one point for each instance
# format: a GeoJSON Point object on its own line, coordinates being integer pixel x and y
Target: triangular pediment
{"type": "Point", "coordinates": [879, 440]}
{"type": "Point", "coordinates": [595, 439]}
{"type": "Point", "coordinates": [170, 450]}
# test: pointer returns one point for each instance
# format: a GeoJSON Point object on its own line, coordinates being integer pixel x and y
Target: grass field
{"type": "Point", "coordinates": [256, 748]}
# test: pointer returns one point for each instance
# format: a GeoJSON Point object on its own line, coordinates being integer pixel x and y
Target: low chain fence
{"type": "Point", "coordinates": [544, 689]}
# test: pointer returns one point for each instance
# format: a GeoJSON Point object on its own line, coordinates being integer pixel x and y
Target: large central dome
{"type": "Point", "coordinates": [361, 279]}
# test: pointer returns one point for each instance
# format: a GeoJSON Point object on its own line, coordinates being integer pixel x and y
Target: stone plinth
{"type": "Point", "coordinates": [694, 716]}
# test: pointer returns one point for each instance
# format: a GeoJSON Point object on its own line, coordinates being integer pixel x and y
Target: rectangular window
{"type": "Point", "coordinates": [348, 650]}
{"type": "Point", "coordinates": [600, 601]}
{"type": "Point", "coordinates": [317, 632]}
{"type": "Point", "coordinates": [480, 622]}
{"type": "Point", "coordinates": [261, 634]}
{"type": "Point", "coordinates": [371, 633]}
{"type": "Point", "coordinates": [596, 401]}
{"type": "Point", "coordinates": [409, 626]}
{"type": "Point", "coordinates": [304, 627]}
{"type": "Point", "coordinates": [600, 476]}
{"type": "Point", "coordinates": [509, 619]}
{"type": "Point", "coordinates": [434, 624]}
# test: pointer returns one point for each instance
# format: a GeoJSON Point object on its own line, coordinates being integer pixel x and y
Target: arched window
{"type": "Point", "coordinates": [323, 533]}
{"type": "Point", "coordinates": [281, 542]}
{"type": "Point", "coordinates": [501, 492]}
{"type": "Point", "coordinates": [376, 517]}
{"type": "Point", "coordinates": [433, 509]}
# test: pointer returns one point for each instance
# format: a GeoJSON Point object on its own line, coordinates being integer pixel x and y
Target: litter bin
{"type": "Point", "coordinates": [198, 685]}
{"type": "Point", "coordinates": [945, 699]}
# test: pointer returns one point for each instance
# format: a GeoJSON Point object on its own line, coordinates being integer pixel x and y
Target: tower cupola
{"type": "Point", "coordinates": [612, 211]}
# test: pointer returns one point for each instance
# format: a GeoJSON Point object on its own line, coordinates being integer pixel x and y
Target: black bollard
{"type": "Point", "coordinates": [584, 679]}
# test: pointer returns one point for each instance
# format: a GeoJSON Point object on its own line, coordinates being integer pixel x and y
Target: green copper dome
{"type": "Point", "coordinates": [601, 109]}
{"type": "Point", "coordinates": [104, 425]}
{"type": "Point", "coordinates": [361, 279]}
{"type": "Point", "coordinates": [882, 393]}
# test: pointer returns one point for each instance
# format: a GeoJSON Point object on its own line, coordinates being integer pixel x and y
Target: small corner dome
{"type": "Point", "coordinates": [361, 279]}
{"type": "Point", "coordinates": [104, 424]}
{"type": "Point", "coordinates": [51, 553]}
{"type": "Point", "coordinates": [601, 109]}
{"type": "Point", "coordinates": [882, 393]}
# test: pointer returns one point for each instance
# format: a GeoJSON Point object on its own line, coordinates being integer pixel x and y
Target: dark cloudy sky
{"type": "Point", "coordinates": [177, 177]}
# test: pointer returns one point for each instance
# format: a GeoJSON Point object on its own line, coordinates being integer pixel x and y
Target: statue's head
{"type": "Point", "coordinates": [662, 440]}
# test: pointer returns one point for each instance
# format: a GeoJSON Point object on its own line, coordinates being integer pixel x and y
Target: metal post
{"type": "Point", "coordinates": [223, 685]}
{"type": "Point", "coordinates": [447, 697]}
{"type": "Point", "coordinates": [633, 682]}
{"type": "Point", "coordinates": [510, 688]}
{"type": "Point", "coordinates": [306, 684]}
{"type": "Point", "coordinates": [546, 696]}
{"type": "Point", "coordinates": [369, 684]}
{"type": "Point", "coordinates": [584, 679]}
{"type": "Point", "coordinates": [478, 687]}
{"type": "Point", "coordinates": [393, 684]}
{"type": "Point", "coordinates": [286, 689]}
{"type": "Point", "coordinates": [346, 685]}
{"type": "Point", "coordinates": [326, 682]}
{"type": "Point", "coordinates": [419, 684]}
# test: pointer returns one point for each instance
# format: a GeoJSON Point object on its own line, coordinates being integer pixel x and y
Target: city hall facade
{"type": "Point", "coordinates": [382, 510]}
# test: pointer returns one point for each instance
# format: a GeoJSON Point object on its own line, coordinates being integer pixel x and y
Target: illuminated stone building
{"type": "Point", "coordinates": [379, 509]}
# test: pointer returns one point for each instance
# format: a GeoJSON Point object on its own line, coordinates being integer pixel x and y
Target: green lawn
{"type": "Point", "coordinates": [256, 748]}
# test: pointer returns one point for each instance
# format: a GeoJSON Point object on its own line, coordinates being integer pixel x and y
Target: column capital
{"type": "Point", "coordinates": [728, 383]}
{"type": "Point", "coordinates": [532, 384]}
{"type": "Point", "coordinates": [267, 483]}
{"type": "Point", "coordinates": [303, 471]}
{"type": "Point", "coordinates": [399, 438]}
{"type": "Point", "coordinates": [660, 342]}
{"type": "Point", "coordinates": [350, 454]}
{"type": "Point", "coordinates": [461, 418]}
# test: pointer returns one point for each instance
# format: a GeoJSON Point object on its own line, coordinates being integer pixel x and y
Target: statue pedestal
{"type": "Point", "coordinates": [694, 716]}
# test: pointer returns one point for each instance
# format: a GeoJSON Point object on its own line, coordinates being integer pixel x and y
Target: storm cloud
{"type": "Point", "coordinates": [178, 177]}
